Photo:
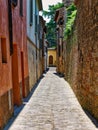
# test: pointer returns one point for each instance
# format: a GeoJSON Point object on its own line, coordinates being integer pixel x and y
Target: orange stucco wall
{"type": "Point", "coordinates": [5, 68]}
{"type": "Point", "coordinates": [19, 39]}
{"type": "Point", "coordinates": [14, 77]}
{"type": "Point", "coordinates": [19, 32]}
{"type": "Point", "coordinates": [6, 100]}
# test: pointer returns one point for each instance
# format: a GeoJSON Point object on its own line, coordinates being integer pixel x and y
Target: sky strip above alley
{"type": "Point", "coordinates": [46, 3]}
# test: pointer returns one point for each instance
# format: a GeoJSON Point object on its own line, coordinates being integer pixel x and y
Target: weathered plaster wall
{"type": "Point", "coordinates": [32, 63]}
{"type": "Point", "coordinates": [20, 54]}
{"type": "Point", "coordinates": [6, 101]}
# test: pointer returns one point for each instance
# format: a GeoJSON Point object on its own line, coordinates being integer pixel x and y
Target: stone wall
{"type": "Point", "coordinates": [6, 108]}
{"type": "Point", "coordinates": [87, 30]}
{"type": "Point", "coordinates": [81, 61]}
{"type": "Point", "coordinates": [67, 2]}
{"type": "Point", "coordinates": [71, 59]}
{"type": "Point", "coordinates": [32, 63]}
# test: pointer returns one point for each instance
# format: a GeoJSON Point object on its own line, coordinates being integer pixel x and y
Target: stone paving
{"type": "Point", "coordinates": [53, 106]}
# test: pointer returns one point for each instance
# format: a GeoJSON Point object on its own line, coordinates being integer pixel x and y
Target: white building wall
{"type": "Point", "coordinates": [31, 29]}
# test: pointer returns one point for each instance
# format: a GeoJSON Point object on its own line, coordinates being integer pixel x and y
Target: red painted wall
{"type": "Point", "coordinates": [20, 40]}
{"type": "Point", "coordinates": [19, 31]}
{"type": "Point", "coordinates": [6, 100]}
{"type": "Point", "coordinates": [14, 79]}
{"type": "Point", "coordinates": [5, 68]}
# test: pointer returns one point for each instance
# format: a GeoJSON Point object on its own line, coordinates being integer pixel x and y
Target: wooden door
{"type": "Point", "coordinates": [50, 60]}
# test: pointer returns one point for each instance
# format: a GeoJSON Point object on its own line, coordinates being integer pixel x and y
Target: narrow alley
{"type": "Point", "coordinates": [39, 34]}
{"type": "Point", "coordinates": [52, 106]}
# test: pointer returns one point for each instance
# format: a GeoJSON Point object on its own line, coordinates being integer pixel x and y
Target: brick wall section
{"type": "Point", "coordinates": [86, 68]}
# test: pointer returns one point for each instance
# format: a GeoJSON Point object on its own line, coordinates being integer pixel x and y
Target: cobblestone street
{"type": "Point", "coordinates": [53, 106]}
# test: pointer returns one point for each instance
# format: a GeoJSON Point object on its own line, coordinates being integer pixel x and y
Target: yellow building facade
{"type": "Point", "coordinates": [51, 57]}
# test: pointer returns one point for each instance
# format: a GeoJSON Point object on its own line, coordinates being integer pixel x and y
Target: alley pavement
{"type": "Point", "coordinates": [52, 106]}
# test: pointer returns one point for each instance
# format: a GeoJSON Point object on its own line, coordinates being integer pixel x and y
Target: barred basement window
{"type": "Point", "coordinates": [3, 50]}
{"type": "Point", "coordinates": [21, 7]}
{"type": "Point", "coordinates": [14, 2]}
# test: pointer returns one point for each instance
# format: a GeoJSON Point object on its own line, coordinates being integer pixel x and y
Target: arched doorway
{"type": "Point", "coordinates": [50, 60]}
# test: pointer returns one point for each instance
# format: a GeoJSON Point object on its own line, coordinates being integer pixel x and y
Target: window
{"type": "Point", "coordinates": [14, 2]}
{"type": "Point", "coordinates": [31, 12]}
{"type": "Point", "coordinates": [36, 27]}
{"type": "Point", "coordinates": [3, 50]}
{"type": "Point", "coordinates": [62, 45]}
{"type": "Point", "coordinates": [21, 7]}
{"type": "Point", "coordinates": [10, 26]}
{"type": "Point", "coordinates": [59, 53]}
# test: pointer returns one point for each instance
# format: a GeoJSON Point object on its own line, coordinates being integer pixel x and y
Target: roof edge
{"type": "Point", "coordinates": [40, 5]}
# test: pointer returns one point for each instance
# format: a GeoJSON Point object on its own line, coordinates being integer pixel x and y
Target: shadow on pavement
{"type": "Point", "coordinates": [18, 109]}
{"type": "Point", "coordinates": [94, 121]}
{"type": "Point", "coordinates": [59, 74]}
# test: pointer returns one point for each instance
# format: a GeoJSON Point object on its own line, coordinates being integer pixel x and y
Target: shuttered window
{"type": "Point", "coordinates": [31, 12]}
{"type": "Point", "coordinates": [3, 50]}
{"type": "Point", "coordinates": [36, 23]}
{"type": "Point", "coordinates": [10, 26]}
{"type": "Point", "coordinates": [21, 7]}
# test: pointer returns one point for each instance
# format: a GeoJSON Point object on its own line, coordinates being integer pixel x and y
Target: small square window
{"type": "Point", "coordinates": [3, 50]}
